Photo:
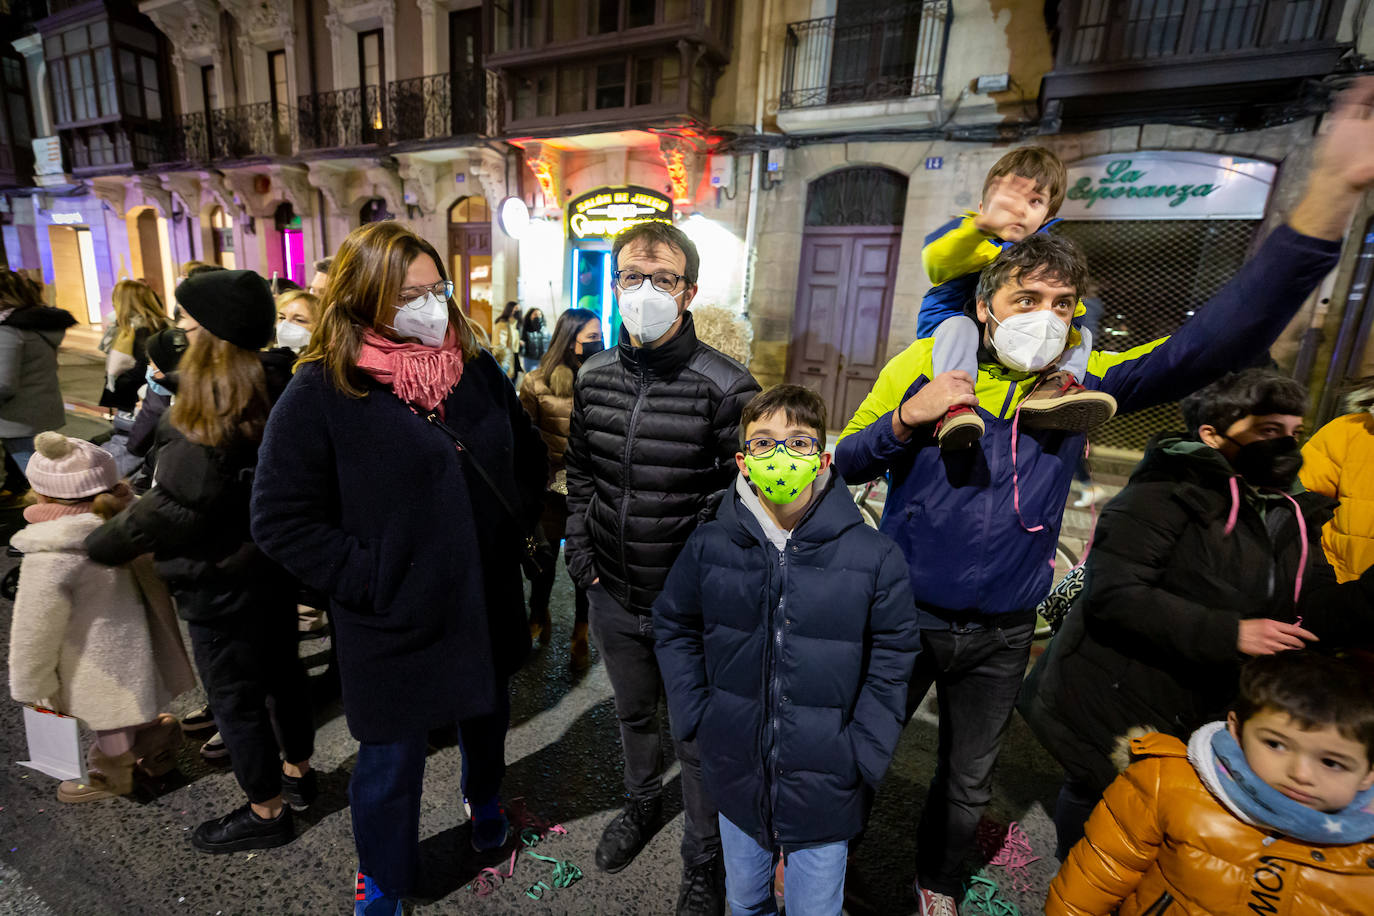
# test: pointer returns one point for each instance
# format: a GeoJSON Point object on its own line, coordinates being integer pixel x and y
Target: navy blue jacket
{"type": "Point", "coordinates": [366, 502]}
{"type": "Point", "coordinates": [954, 513]}
{"type": "Point", "coordinates": [789, 669]}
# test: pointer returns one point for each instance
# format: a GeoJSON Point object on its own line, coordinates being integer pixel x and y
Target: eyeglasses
{"type": "Point", "coordinates": [443, 289]}
{"type": "Point", "coordinates": [797, 446]}
{"type": "Point", "coordinates": [662, 280]}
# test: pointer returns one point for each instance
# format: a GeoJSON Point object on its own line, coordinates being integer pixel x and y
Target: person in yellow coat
{"type": "Point", "coordinates": [1339, 462]}
{"type": "Point", "coordinates": [1268, 812]}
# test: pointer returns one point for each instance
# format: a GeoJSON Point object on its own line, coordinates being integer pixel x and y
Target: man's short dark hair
{"type": "Point", "coordinates": [1314, 689]}
{"type": "Point", "coordinates": [1237, 395]}
{"type": "Point", "coordinates": [801, 406]}
{"type": "Point", "coordinates": [322, 266]}
{"type": "Point", "coordinates": [1040, 255]}
{"type": "Point", "coordinates": [654, 233]}
{"type": "Point", "coordinates": [202, 269]}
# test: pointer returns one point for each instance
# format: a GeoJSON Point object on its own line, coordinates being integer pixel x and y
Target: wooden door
{"type": "Point", "coordinates": [68, 277]}
{"type": "Point", "coordinates": [150, 250]}
{"type": "Point", "coordinates": [844, 306]}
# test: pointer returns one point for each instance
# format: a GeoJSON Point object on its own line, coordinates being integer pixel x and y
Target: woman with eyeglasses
{"type": "Point", "coordinates": [398, 476]}
{"type": "Point", "coordinates": [547, 394]}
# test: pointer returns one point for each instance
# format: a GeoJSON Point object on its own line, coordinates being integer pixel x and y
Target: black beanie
{"type": "Point", "coordinates": [233, 305]}
{"type": "Point", "coordinates": [165, 348]}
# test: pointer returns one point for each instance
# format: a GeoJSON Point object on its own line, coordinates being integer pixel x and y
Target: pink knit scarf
{"type": "Point", "coordinates": [46, 512]}
{"type": "Point", "coordinates": [417, 374]}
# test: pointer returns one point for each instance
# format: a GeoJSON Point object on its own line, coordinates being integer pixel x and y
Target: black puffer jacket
{"type": "Point", "coordinates": [651, 448]}
{"type": "Point", "coordinates": [195, 523]}
{"type": "Point", "coordinates": [1152, 640]}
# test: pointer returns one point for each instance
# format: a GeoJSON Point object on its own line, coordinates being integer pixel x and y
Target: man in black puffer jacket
{"type": "Point", "coordinates": [654, 432]}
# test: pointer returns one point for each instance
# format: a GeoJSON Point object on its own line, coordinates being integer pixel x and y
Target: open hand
{"type": "Point", "coordinates": [1345, 150]}
{"type": "Point", "coordinates": [1013, 208]}
{"type": "Point", "coordinates": [1265, 637]}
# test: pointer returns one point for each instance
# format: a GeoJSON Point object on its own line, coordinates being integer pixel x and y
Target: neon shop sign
{"type": "Point", "coordinates": [606, 212]}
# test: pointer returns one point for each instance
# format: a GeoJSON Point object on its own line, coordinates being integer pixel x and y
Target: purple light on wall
{"type": "Point", "coordinates": [295, 256]}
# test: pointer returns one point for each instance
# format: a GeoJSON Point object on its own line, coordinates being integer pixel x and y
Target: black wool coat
{"type": "Point", "coordinates": [195, 523]}
{"type": "Point", "coordinates": [368, 503]}
{"type": "Point", "coordinates": [651, 447]}
{"type": "Point", "coordinates": [789, 669]}
{"type": "Point", "coordinates": [1152, 640]}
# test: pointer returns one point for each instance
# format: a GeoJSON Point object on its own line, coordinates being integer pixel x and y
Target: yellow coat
{"type": "Point", "coordinates": [1339, 462]}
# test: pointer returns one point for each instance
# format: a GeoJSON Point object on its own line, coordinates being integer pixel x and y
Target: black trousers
{"type": "Point", "coordinates": [259, 691]}
{"type": "Point", "coordinates": [626, 643]}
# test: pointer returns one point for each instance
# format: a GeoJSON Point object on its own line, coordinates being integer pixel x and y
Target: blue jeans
{"type": "Point", "coordinates": [384, 793]}
{"type": "Point", "coordinates": [20, 448]}
{"type": "Point", "coordinates": [813, 883]}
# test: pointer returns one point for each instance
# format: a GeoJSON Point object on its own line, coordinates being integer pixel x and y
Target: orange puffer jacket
{"type": "Point", "coordinates": [1159, 844]}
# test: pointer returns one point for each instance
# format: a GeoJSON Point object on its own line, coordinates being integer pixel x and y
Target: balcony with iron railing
{"type": "Point", "coordinates": [892, 55]}
{"type": "Point", "coordinates": [418, 110]}
{"type": "Point", "coordinates": [1157, 49]}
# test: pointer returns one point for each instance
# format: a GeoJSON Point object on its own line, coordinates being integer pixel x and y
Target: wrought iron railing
{"type": "Point", "coordinates": [434, 107]}
{"type": "Point", "coordinates": [250, 131]}
{"type": "Point", "coordinates": [897, 52]}
{"type": "Point", "coordinates": [1101, 32]}
{"type": "Point", "coordinates": [343, 118]}
{"type": "Point", "coordinates": [184, 139]}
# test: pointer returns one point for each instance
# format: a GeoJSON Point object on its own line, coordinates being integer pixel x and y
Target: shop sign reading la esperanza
{"type": "Point", "coordinates": [605, 212]}
{"type": "Point", "coordinates": [1164, 184]}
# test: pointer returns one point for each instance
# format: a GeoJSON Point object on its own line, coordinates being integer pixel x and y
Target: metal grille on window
{"type": "Point", "coordinates": [857, 197]}
{"type": "Point", "coordinates": [1151, 275]}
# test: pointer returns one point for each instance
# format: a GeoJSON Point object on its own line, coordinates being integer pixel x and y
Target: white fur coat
{"type": "Point", "coordinates": [99, 642]}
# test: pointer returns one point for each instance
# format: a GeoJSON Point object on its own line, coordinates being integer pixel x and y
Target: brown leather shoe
{"type": "Point", "coordinates": [1060, 402]}
{"type": "Point", "coordinates": [541, 627]}
{"type": "Point", "coordinates": [960, 428]}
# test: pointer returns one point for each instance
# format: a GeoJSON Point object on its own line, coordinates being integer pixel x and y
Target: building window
{"type": "Point", "coordinates": [470, 210]}
{"type": "Point", "coordinates": [371, 79]}
{"type": "Point", "coordinates": [208, 92]}
{"type": "Point", "coordinates": [88, 83]}
{"type": "Point", "coordinates": [622, 83]}
{"type": "Point", "coordinates": [16, 91]}
{"type": "Point", "coordinates": [222, 238]}
{"type": "Point", "coordinates": [276, 74]}
{"type": "Point", "coordinates": [610, 85]}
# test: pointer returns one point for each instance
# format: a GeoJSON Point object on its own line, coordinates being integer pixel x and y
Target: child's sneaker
{"type": "Point", "coordinates": [960, 428]}
{"type": "Point", "coordinates": [202, 720]}
{"type": "Point", "coordinates": [1060, 402]}
{"type": "Point", "coordinates": [490, 826]}
{"type": "Point", "coordinates": [370, 901]}
{"type": "Point", "coordinates": [300, 791]}
{"type": "Point", "coordinates": [930, 903]}
{"type": "Point", "coordinates": [215, 748]}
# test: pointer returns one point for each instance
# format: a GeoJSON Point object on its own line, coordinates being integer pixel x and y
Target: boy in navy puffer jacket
{"type": "Point", "coordinates": [786, 634]}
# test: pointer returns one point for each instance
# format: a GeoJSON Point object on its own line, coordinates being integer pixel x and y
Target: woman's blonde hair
{"type": "Point", "coordinates": [222, 394]}
{"type": "Point", "coordinates": [137, 306]}
{"type": "Point", "coordinates": [367, 272]}
{"type": "Point", "coordinates": [312, 302]}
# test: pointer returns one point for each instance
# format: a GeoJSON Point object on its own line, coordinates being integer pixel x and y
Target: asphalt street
{"type": "Point", "coordinates": [133, 855]}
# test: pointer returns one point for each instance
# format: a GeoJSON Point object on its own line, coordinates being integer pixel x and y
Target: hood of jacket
{"type": "Point", "coordinates": [51, 322]}
{"type": "Point", "coordinates": [67, 533]}
{"type": "Point", "coordinates": [831, 513]}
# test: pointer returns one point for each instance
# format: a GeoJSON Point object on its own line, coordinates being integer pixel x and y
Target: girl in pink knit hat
{"type": "Point", "coordinates": [96, 642]}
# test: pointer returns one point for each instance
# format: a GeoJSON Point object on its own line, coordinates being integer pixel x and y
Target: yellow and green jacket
{"type": "Point", "coordinates": [954, 255]}
{"type": "Point", "coordinates": [954, 513]}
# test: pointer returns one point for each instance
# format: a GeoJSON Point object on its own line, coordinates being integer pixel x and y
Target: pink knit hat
{"type": "Point", "coordinates": [63, 468]}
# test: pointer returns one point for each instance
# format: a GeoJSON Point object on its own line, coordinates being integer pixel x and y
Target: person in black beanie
{"type": "Point", "coordinates": [239, 606]}
{"type": "Point", "coordinates": [164, 353]}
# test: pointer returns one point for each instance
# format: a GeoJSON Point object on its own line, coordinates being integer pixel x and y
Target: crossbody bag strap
{"type": "Point", "coordinates": [434, 420]}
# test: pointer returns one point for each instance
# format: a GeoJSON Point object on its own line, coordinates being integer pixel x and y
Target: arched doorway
{"type": "Point", "coordinates": [374, 211]}
{"type": "Point", "coordinates": [222, 239]}
{"type": "Point", "coordinates": [844, 291]}
{"type": "Point", "coordinates": [149, 249]}
{"type": "Point", "coordinates": [469, 246]}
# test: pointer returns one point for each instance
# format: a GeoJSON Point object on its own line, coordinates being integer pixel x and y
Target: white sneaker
{"type": "Point", "coordinates": [932, 904]}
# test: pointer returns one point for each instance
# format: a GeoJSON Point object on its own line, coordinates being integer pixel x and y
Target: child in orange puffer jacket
{"type": "Point", "coordinates": [1270, 812]}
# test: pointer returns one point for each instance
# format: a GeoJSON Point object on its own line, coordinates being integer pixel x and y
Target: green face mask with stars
{"type": "Point", "coordinates": [781, 477]}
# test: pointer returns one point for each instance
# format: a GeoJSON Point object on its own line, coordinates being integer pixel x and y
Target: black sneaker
{"type": "Point", "coordinates": [241, 829]}
{"type": "Point", "coordinates": [202, 720]}
{"type": "Point", "coordinates": [625, 836]}
{"type": "Point", "coordinates": [300, 793]}
{"type": "Point", "coordinates": [703, 889]}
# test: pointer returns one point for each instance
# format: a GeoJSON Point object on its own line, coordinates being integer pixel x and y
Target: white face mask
{"type": "Point", "coordinates": [425, 319]}
{"type": "Point", "coordinates": [647, 312]}
{"type": "Point", "coordinates": [1029, 341]}
{"type": "Point", "coordinates": [292, 336]}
